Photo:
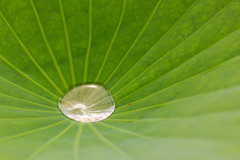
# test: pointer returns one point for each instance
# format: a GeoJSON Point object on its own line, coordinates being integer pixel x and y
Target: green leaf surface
{"type": "Point", "coordinates": [173, 68]}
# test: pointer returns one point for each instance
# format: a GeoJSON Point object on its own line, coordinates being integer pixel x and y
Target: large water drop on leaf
{"type": "Point", "coordinates": [87, 103]}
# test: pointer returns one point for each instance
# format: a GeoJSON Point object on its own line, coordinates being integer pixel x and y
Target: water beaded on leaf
{"type": "Point", "coordinates": [87, 103]}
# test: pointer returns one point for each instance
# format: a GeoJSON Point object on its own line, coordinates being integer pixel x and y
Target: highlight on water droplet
{"type": "Point", "coordinates": [87, 103]}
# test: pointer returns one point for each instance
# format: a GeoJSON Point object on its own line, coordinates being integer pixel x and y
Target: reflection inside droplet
{"type": "Point", "coordinates": [87, 103]}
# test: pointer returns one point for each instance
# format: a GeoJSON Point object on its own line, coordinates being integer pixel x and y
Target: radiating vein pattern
{"type": "Point", "coordinates": [147, 69]}
{"type": "Point", "coordinates": [112, 41]}
{"type": "Point", "coordinates": [34, 154]}
{"type": "Point", "coordinates": [30, 92]}
{"type": "Point", "coordinates": [108, 142]}
{"type": "Point", "coordinates": [48, 45]}
{"type": "Point", "coordinates": [182, 65]}
{"type": "Point", "coordinates": [30, 56]}
{"type": "Point", "coordinates": [27, 77]}
{"type": "Point", "coordinates": [172, 68]}
{"type": "Point", "coordinates": [76, 148]}
{"type": "Point", "coordinates": [68, 44]}
{"type": "Point", "coordinates": [89, 41]}
{"type": "Point", "coordinates": [154, 45]}
{"type": "Point", "coordinates": [136, 40]}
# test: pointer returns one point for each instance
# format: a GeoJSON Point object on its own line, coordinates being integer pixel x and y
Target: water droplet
{"type": "Point", "coordinates": [87, 103]}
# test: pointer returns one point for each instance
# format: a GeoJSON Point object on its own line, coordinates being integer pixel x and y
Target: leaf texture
{"type": "Point", "coordinates": [173, 68]}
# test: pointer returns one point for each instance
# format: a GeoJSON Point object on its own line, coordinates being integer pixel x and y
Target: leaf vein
{"type": "Point", "coordinates": [183, 42]}
{"type": "Point", "coordinates": [124, 154]}
{"type": "Point", "coordinates": [48, 45]}
{"type": "Point", "coordinates": [29, 54]}
{"type": "Point", "coordinates": [154, 45]}
{"type": "Point", "coordinates": [67, 43]}
{"type": "Point", "coordinates": [89, 42]}
{"type": "Point", "coordinates": [28, 91]}
{"type": "Point", "coordinates": [112, 41]}
{"type": "Point", "coordinates": [136, 40]}
{"type": "Point", "coordinates": [34, 154]}
{"type": "Point", "coordinates": [167, 73]}
{"type": "Point", "coordinates": [184, 81]}
{"type": "Point", "coordinates": [19, 99]}
{"type": "Point", "coordinates": [26, 76]}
